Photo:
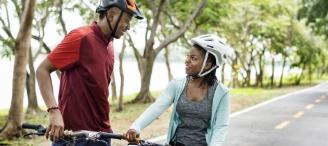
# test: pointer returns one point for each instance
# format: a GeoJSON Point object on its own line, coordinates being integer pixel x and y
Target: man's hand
{"type": "Point", "coordinates": [55, 128]}
{"type": "Point", "coordinates": [131, 135]}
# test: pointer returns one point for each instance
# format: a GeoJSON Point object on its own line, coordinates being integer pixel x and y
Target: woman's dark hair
{"type": "Point", "coordinates": [210, 78]}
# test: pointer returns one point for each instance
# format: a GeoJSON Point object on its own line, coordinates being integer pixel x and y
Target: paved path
{"type": "Point", "coordinates": [298, 119]}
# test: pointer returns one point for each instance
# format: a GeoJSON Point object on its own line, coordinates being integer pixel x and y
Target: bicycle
{"type": "Point", "coordinates": [72, 137]}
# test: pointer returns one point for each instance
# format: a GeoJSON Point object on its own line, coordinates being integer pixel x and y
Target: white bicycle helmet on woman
{"type": "Point", "coordinates": [214, 45]}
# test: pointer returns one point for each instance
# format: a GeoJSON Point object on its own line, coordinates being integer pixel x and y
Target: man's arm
{"type": "Point", "coordinates": [56, 125]}
{"type": "Point", "coordinates": [45, 84]}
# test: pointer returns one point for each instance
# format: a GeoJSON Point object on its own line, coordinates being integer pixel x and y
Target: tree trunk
{"type": "Point", "coordinates": [282, 72]}
{"type": "Point", "coordinates": [32, 107]}
{"type": "Point", "coordinates": [113, 87]}
{"type": "Point", "coordinates": [235, 69]}
{"type": "Point", "coordinates": [259, 77]}
{"type": "Point", "coordinates": [272, 74]}
{"type": "Point", "coordinates": [249, 68]}
{"type": "Point", "coordinates": [121, 56]}
{"type": "Point", "coordinates": [257, 80]}
{"type": "Point", "coordinates": [146, 61]}
{"type": "Point", "coordinates": [244, 67]}
{"type": "Point", "coordinates": [61, 20]}
{"type": "Point", "coordinates": [298, 80]}
{"type": "Point", "coordinates": [144, 95]}
{"type": "Point", "coordinates": [22, 44]}
{"type": "Point", "coordinates": [46, 48]}
{"type": "Point", "coordinates": [310, 73]}
{"type": "Point", "coordinates": [248, 77]}
{"type": "Point", "coordinates": [167, 62]}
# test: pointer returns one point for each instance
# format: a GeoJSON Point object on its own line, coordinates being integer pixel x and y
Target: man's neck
{"type": "Point", "coordinates": [104, 28]}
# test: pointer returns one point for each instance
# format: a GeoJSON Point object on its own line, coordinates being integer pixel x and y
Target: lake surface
{"type": "Point", "coordinates": [159, 78]}
{"type": "Point", "coordinates": [131, 73]}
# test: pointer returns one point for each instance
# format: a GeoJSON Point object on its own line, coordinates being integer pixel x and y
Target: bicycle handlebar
{"type": "Point", "coordinates": [41, 130]}
{"type": "Point", "coordinates": [92, 134]}
{"type": "Point", "coordinates": [32, 126]}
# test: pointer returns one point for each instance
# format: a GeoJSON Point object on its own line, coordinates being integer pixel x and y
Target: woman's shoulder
{"type": "Point", "coordinates": [221, 87]}
{"type": "Point", "coordinates": [178, 80]}
{"type": "Point", "coordinates": [176, 83]}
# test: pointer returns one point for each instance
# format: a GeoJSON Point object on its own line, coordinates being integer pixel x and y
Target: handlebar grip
{"type": "Point", "coordinates": [31, 126]}
{"type": "Point", "coordinates": [111, 135]}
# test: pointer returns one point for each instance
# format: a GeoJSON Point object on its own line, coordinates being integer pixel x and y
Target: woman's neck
{"type": "Point", "coordinates": [197, 81]}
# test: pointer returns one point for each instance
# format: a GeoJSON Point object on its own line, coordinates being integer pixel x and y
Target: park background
{"type": "Point", "coordinates": [276, 47]}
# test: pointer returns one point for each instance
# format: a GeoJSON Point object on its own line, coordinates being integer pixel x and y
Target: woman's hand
{"type": "Point", "coordinates": [131, 135]}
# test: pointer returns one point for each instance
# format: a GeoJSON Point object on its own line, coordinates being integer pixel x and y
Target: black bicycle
{"type": "Point", "coordinates": [72, 138]}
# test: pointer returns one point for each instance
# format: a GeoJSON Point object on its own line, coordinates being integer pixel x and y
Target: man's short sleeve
{"type": "Point", "coordinates": [67, 53]}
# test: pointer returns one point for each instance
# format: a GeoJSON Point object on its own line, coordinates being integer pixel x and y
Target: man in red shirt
{"type": "Point", "coordinates": [85, 58]}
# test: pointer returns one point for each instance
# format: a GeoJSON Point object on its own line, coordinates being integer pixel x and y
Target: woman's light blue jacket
{"type": "Point", "coordinates": [216, 132]}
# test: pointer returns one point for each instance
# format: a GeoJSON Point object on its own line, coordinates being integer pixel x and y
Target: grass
{"type": "Point", "coordinates": [241, 98]}
{"type": "Point", "coordinates": [3, 116]}
{"type": "Point", "coordinates": [23, 142]}
{"type": "Point", "coordinates": [130, 110]}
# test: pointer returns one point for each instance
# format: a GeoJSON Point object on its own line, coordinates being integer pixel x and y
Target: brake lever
{"type": "Point", "coordinates": [133, 143]}
{"type": "Point", "coordinates": [39, 132]}
{"type": "Point", "coordinates": [29, 134]}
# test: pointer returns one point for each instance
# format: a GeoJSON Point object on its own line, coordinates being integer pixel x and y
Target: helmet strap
{"type": "Point", "coordinates": [204, 63]}
{"type": "Point", "coordinates": [196, 76]}
{"type": "Point", "coordinates": [110, 26]}
{"type": "Point", "coordinates": [207, 72]}
{"type": "Point", "coordinates": [116, 24]}
{"type": "Point", "coordinates": [201, 74]}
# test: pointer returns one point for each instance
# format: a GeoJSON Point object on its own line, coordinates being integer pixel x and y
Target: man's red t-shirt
{"type": "Point", "coordinates": [86, 58]}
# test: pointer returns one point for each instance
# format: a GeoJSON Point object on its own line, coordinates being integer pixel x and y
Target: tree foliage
{"type": "Point", "coordinates": [316, 14]}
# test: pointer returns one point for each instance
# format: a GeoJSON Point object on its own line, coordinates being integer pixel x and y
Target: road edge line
{"type": "Point", "coordinates": [271, 100]}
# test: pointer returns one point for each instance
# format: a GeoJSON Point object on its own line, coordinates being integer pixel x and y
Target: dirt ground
{"type": "Point", "coordinates": [157, 128]}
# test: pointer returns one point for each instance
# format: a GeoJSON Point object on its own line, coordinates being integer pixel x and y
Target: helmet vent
{"type": "Point", "coordinates": [224, 56]}
{"type": "Point", "coordinates": [208, 39]}
{"type": "Point", "coordinates": [210, 46]}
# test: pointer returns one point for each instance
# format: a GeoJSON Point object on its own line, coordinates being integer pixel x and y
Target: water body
{"type": "Point", "coordinates": [159, 78]}
{"type": "Point", "coordinates": [131, 73]}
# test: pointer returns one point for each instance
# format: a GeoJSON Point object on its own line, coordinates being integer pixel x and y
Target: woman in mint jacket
{"type": "Point", "coordinates": [200, 114]}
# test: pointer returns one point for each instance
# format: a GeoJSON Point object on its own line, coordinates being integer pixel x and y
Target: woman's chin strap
{"type": "Point", "coordinates": [200, 74]}
{"type": "Point", "coordinates": [207, 72]}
